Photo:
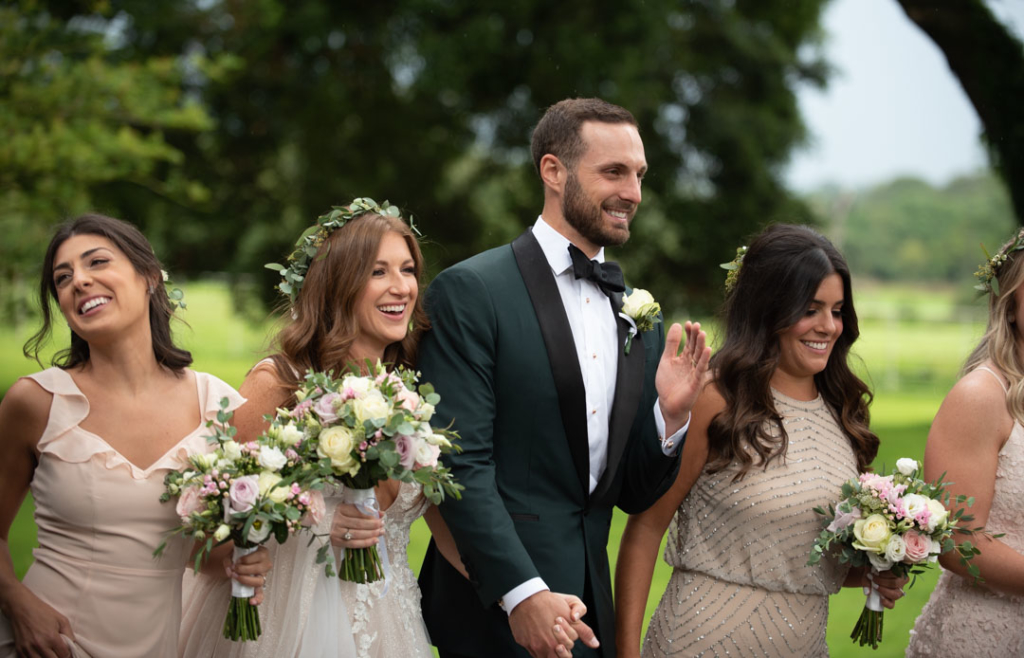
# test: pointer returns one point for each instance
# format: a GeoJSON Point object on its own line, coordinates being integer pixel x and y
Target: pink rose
{"type": "Point", "coordinates": [409, 400]}
{"type": "Point", "coordinates": [843, 519]}
{"type": "Point", "coordinates": [244, 493]}
{"type": "Point", "coordinates": [324, 407]}
{"type": "Point", "coordinates": [189, 501]}
{"type": "Point", "coordinates": [406, 448]}
{"type": "Point", "coordinates": [316, 510]}
{"type": "Point", "coordinates": [918, 546]}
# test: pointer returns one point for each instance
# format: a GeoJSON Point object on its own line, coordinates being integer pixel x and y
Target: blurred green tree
{"type": "Point", "coordinates": [988, 59]}
{"type": "Point", "coordinates": [430, 104]}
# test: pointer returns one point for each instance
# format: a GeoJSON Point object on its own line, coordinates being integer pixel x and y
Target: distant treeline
{"type": "Point", "coordinates": [908, 230]}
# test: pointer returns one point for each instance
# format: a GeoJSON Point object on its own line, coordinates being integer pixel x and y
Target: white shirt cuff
{"type": "Point", "coordinates": [522, 592]}
{"type": "Point", "coordinates": [670, 444]}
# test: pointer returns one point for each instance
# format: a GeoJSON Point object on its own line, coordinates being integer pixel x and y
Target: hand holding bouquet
{"type": "Point", "coordinates": [245, 493]}
{"type": "Point", "coordinates": [360, 430]}
{"type": "Point", "coordinates": [894, 522]}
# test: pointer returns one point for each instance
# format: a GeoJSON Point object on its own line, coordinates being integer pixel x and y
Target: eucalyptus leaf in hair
{"type": "Point", "coordinates": [293, 274]}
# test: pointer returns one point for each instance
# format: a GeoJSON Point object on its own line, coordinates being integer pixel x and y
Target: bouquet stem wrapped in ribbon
{"type": "Point", "coordinates": [894, 522]}
{"type": "Point", "coordinates": [364, 565]}
{"type": "Point", "coordinates": [243, 620]}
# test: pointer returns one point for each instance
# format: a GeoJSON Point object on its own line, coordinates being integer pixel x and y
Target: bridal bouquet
{"type": "Point", "coordinates": [893, 522]}
{"type": "Point", "coordinates": [242, 492]}
{"type": "Point", "coordinates": [360, 430]}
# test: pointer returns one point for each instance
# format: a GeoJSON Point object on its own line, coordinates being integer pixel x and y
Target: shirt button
{"type": "Point", "coordinates": [594, 411]}
{"type": "Point", "coordinates": [595, 355]}
{"type": "Point", "coordinates": [588, 300]}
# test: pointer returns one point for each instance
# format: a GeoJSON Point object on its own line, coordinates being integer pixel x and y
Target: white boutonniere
{"type": "Point", "coordinates": [641, 312]}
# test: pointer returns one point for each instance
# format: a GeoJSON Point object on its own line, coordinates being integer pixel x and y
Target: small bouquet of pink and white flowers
{"type": "Point", "coordinates": [360, 430]}
{"type": "Point", "coordinates": [894, 522]}
{"type": "Point", "coordinates": [246, 493]}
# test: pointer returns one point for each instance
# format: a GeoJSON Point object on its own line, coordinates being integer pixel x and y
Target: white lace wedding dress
{"type": "Point", "coordinates": [306, 614]}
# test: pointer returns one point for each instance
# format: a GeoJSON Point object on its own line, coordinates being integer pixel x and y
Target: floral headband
{"type": "Point", "coordinates": [293, 274]}
{"type": "Point", "coordinates": [988, 272]}
{"type": "Point", "coordinates": [733, 267]}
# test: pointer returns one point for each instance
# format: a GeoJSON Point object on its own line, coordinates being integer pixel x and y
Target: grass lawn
{"type": "Point", "coordinates": [911, 357]}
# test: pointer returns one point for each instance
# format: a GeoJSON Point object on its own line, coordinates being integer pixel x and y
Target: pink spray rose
{"type": "Point", "coordinates": [918, 546]}
{"type": "Point", "coordinates": [844, 519]}
{"type": "Point", "coordinates": [408, 399]}
{"type": "Point", "coordinates": [244, 493]}
{"type": "Point", "coordinates": [189, 501]}
{"type": "Point", "coordinates": [316, 510]}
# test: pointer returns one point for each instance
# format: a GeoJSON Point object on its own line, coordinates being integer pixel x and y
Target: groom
{"type": "Point", "coordinates": [558, 423]}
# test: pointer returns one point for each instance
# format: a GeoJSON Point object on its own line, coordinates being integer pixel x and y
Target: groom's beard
{"type": "Point", "coordinates": [587, 218]}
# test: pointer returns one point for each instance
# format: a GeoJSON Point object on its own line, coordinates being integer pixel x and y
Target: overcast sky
{"type": "Point", "coordinates": [893, 107]}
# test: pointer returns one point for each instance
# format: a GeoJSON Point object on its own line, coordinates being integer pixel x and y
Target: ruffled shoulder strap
{"type": "Point", "coordinates": [69, 407]}
{"type": "Point", "coordinates": [211, 391]}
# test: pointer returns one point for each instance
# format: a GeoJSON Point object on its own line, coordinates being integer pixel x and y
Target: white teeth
{"type": "Point", "coordinates": [621, 214]}
{"type": "Point", "coordinates": [815, 346]}
{"type": "Point", "coordinates": [394, 308]}
{"type": "Point", "coordinates": [93, 303]}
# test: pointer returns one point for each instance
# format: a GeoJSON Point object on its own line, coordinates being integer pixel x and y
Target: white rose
{"type": "Point", "coordinates": [290, 435]}
{"type": "Point", "coordinates": [939, 515]}
{"type": "Point", "coordinates": [871, 533]}
{"type": "Point", "coordinates": [934, 550]}
{"type": "Point", "coordinates": [906, 466]}
{"type": "Point", "coordinates": [232, 450]}
{"type": "Point", "coordinates": [259, 531]}
{"type": "Point", "coordinates": [896, 549]}
{"type": "Point", "coordinates": [272, 458]}
{"type": "Point", "coordinates": [914, 504]}
{"type": "Point", "coordinates": [426, 454]}
{"type": "Point", "coordinates": [222, 532]}
{"type": "Point", "coordinates": [879, 561]}
{"type": "Point", "coordinates": [426, 411]}
{"type": "Point", "coordinates": [361, 385]}
{"type": "Point", "coordinates": [370, 407]}
{"type": "Point", "coordinates": [267, 482]}
{"type": "Point", "coordinates": [633, 305]}
{"type": "Point", "coordinates": [337, 443]}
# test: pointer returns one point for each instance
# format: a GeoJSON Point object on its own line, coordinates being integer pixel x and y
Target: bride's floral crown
{"type": "Point", "coordinates": [988, 272]}
{"type": "Point", "coordinates": [733, 267]}
{"type": "Point", "coordinates": [293, 275]}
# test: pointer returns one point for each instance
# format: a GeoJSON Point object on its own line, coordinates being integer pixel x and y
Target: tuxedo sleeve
{"type": "Point", "coordinates": [647, 471]}
{"type": "Point", "coordinates": [458, 356]}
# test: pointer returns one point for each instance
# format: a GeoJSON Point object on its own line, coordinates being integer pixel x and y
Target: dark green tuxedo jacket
{"type": "Point", "coordinates": [501, 354]}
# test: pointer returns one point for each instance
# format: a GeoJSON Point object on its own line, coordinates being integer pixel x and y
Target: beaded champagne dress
{"type": "Point", "coordinates": [306, 614]}
{"type": "Point", "coordinates": [964, 619]}
{"type": "Point", "coordinates": [740, 584]}
{"type": "Point", "coordinates": [99, 518]}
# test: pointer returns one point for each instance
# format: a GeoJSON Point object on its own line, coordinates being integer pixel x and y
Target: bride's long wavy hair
{"type": "Point", "coordinates": [321, 325]}
{"type": "Point", "coordinates": [779, 277]}
{"type": "Point", "coordinates": [1000, 342]}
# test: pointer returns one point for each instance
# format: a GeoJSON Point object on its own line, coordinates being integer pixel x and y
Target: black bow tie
{"type": "Point", "coordinates": [607, 275]}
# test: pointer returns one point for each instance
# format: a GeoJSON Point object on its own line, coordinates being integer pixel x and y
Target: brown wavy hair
{"type": "Point", "coordinates": [322, 323]}
{"type": "Point", "coordinates": [779, 277]}
{"type": "Point", "coordinates": [999, 344]}
{"type": "Point", "coordinates": [134, 245]}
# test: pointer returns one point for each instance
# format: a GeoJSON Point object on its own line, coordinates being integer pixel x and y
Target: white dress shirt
{"type": "Point", "coordinates": [595, 333]}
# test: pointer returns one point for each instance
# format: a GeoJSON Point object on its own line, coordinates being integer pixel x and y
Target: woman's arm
{"type": "Point", "coordinates": [640, 541]}
{"type": "Point", "coordinates": [444, 540]}
{"type": "Point", "coordinates": [37, 627]}
{"type": "Point", "coordinates": [964, 443]}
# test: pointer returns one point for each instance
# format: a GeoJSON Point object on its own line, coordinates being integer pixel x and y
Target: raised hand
{"type": "Point", "coordinates": [680, 375]}
{"type": "Point", "coordinates": [547, 625]}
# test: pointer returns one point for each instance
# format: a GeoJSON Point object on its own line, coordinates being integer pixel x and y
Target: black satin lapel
{"type": "Point", "coordinates": [629, 383]}
{"type": "Point", "coordinates": [557, 335]}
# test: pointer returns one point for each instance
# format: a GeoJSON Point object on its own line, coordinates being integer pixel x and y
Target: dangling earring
{"type": "Point", "coordinates": [152, 289]}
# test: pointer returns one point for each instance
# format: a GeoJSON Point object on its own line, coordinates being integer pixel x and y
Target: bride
{"type": "Point", "coordinates": [357, 299]}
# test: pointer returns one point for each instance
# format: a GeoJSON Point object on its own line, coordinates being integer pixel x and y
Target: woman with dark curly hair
{"type": "Point", "coordinates": [781, 424]}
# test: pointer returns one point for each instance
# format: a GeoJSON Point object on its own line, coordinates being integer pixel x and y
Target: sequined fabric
{"type": "Point", "coordinates": [392, 625]}
{"type": "Point", "coordinates": [741, 585]}
{"type": "Point", "coordinates": [962, 618]}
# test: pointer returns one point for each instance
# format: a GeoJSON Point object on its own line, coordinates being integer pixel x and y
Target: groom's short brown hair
{"type": "Point", "coordinates": [558, 131]}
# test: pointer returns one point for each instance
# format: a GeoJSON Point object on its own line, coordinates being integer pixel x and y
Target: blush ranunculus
{"type": "Point", "coordinates": [918, 546]}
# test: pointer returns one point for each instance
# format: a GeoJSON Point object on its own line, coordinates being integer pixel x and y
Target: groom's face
{"type": "Point", "coordinates": [602, 191]}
